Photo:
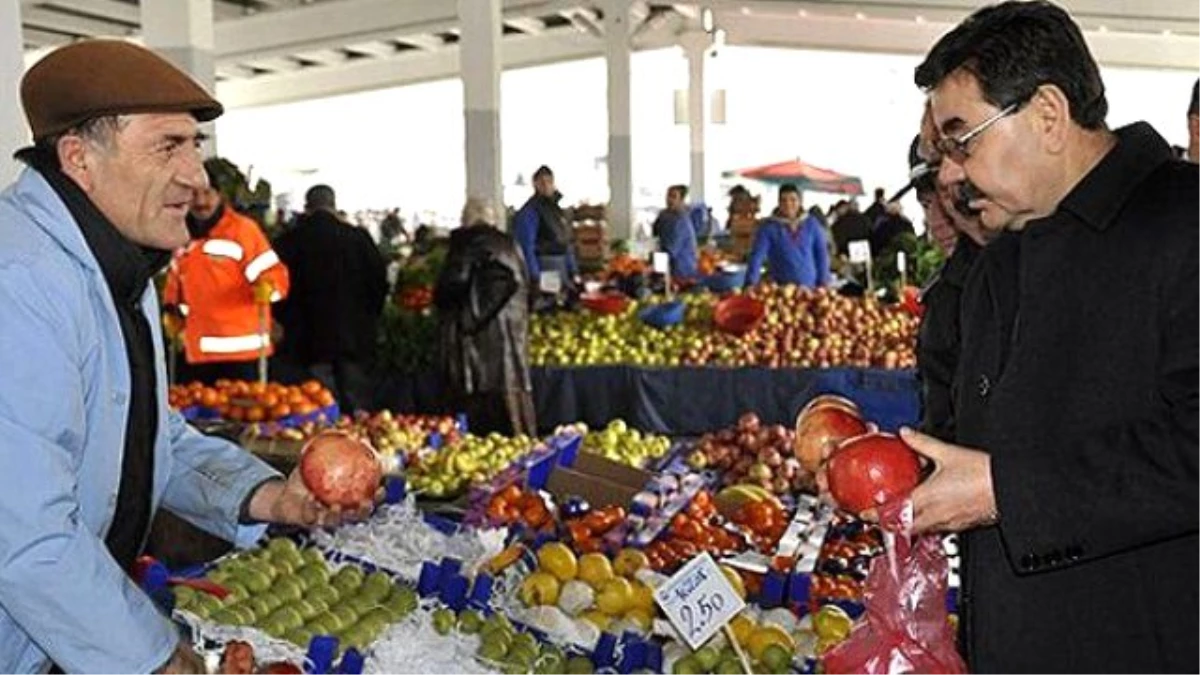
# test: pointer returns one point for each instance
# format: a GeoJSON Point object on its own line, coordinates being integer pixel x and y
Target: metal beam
{"type": "Point", "coordinates": [519, 51]}
{"type": "Point", "coordinates": [108, 9]}
{"type": "Point", "coordinates": [528, 26]}
{"type": "Point", "coordinates": [325, 25]}
{"type": "Point", "coordinates": [1147, 50]}
{"type": "Point", "coordinates": [42, 38]}
{"type": "Point", "coordinates": [36, 17]}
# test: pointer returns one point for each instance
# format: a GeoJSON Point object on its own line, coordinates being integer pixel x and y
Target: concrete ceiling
{"type": "Point", "coordinates": [272, 51]}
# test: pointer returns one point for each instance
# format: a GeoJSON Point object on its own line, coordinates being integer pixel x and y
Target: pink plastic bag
{"type": "Point", "coordinates": [905, 628]}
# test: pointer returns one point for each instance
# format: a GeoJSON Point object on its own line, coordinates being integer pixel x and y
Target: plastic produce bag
{"type": "Point", "coordinates": [905, 628]}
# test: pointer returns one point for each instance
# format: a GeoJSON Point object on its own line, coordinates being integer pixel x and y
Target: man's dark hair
{"type": "Point", "coordinates": [543, 171]}
{"type": "Point", "coordinates": [879, 193]}
{"type": "Point", "coordinates": [739, 190]}
{"type": "Point", "coordinates": [681, 189]}
{"type": "Point", "coordinates": [320, 197]}
{"type": "Point", "coordinates": [1015, 47]}
{"type": "Point", "coordinates": [789, 187]}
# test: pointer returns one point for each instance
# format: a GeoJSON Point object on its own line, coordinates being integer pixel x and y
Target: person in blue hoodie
{"type": "Point", "coordinates": [676, 234]}
{"type": "Point", "coordinates": [791, 243]}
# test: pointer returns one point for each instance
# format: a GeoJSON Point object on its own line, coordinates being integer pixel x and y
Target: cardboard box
{"type": "Point", "coordinates": [599, 481]}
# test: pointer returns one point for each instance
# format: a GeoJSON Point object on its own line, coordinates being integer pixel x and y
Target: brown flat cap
{"type": "Point", "coordinates": [94, 78]}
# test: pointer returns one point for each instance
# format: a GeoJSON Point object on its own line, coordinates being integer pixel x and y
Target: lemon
{"type": "Point", "coordinates": [766, 635]}
{"type": "Point", "coordinates": [594, 569]}
{"type": "Point", "coordinates": [629, 561]}
{"type": "Point", "coordinates": [597, 618]}
{"type": "Point", "coordinates": [742, 627]}
{"type": "Point", "coordinates": [539, 588]}
{"type": "Point", "coordinates": [735, 580]}
{"type": "Point", "coordinates": [644, 618]}
{"type": "Point", "coordinates": [557, 559]}
{"type": "Point", "coordinates": [832, 623]}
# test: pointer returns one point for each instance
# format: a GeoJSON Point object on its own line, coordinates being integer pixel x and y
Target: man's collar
{"type": "Point", "coordinates": [1099, 196]}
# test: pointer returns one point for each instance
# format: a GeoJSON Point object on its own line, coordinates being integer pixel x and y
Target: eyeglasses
{"type": "Point", "coordinates": [956, 147]}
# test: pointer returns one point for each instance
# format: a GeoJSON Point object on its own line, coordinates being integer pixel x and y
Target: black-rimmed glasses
{"type": "Point", "coordinates": [956, 148]}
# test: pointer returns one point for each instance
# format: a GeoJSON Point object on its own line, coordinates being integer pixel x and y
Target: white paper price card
{"type": "Point", "coordinates": [860, 251]}
{"type": "Point", "coordinates": [901, 262]}
{"type": "Point", "coordinates": [661, 262]}
{"type": "Point", "coordinates": [550, 282]}
{"type": "Point", "coordinates": [698, 600]}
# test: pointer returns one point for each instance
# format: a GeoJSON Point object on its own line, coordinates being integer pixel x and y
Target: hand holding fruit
{"type": "Point", "coordinates": [958, 495]}
{"type": "Point", "coordinates": [291, 503]}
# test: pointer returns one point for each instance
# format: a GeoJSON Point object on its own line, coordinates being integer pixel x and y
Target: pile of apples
{"type": "Point", "coordinates": [470, 460]}
{"type": "Point", "coordinates": [752, 453]}
{"type": "Point", "coordinates": [619, 443]}
{"type": "Point", "coordinates": [803, 328]}
{"type": "Point", "coordinates": [240, 401]}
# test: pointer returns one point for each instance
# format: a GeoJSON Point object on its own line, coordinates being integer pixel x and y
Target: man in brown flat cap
{"type": "Point", "coordinates": [88, 447]}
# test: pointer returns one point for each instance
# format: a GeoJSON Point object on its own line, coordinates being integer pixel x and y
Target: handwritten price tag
{"type": "Point", "coordinates": [550, 282]}
{"type": "Point", "coordinates": [698, 600]}
{"type": "Point", "coordinates": [661, 262]}
{"type": "Point", "coordinates": [860, 251]}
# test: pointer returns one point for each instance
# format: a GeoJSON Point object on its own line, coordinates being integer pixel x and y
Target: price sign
{"type": "Point", "coordinates": [550, 282]}
{"type": "Point", "coordinates": [661, 262]}
{"type": "Point", "coordinates": [860, 251]}
{"type": "Point", "coordinates": [698, 600]}
{"type": "Point", "coordinates": [901, 262]}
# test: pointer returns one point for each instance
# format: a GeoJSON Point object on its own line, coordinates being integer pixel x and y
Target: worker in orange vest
{"type": "Point", "coordinates": [218, 292]}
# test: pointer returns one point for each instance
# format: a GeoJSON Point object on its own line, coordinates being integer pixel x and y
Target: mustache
{"type": "Point", "coordinates": [965, 193]}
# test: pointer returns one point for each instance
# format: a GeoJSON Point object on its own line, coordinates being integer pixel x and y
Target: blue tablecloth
{"type": "Point", "coordinates": [683, 401]}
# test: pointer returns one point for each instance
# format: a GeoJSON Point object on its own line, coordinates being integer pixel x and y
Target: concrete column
{"type": "Point", "coordinates": [618, 51]}
{"type": "Point", "coordinates": [695, 47]}
{"type": "Point", "coordinates": [182, 31]}
{"type": "Point", "coordinates": [479, 59]}
{"type": "Point", "coordinates": [14, 133]}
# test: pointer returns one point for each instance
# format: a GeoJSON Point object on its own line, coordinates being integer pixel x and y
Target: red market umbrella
{"type": "Point", "coordinates": [806, 177]}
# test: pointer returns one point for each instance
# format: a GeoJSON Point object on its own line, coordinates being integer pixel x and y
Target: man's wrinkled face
{"type": "Point", "coordinates": [144, 178]}
{"type": "Point", "coordinates": [1000, 163]}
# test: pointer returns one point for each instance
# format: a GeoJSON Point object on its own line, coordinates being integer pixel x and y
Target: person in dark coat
{"type": "Point", "coordinates": [339, 285]}
{"type": "Point", "coordinates": [850, 225]}
{"type": "Point", "coordinates": [541, 229]}
{"type": "Point", "coordinates": [960, 238]}
{"type": "Point", "coordinates": [1073, 477]}
{"type": "Point", "coordinates": [482, 300]}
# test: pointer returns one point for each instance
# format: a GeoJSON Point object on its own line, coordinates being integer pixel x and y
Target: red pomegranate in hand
{"type": "Point", "coordinates": [826, 420]}
{"type": "Point", "coordinates": [340, 469]}
{"type": "Point", "coordinates": [870, 470]}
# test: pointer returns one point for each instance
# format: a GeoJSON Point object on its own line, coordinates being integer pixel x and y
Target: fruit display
{"type": "Point", "coordinates": [414, 298]}
{"type": "Point", "coordinates": [846, 555]}
{"type": "Point", "coordinates": [402, 435]}
{"type": "Point", "coordinates": [293, 594]}
{"type": "Point", "coordinates": [802, 328]}
{"type": "Point", "coordinates": [769, 645]}
{"type": "Point", "coordinates": [340, 469]}
{"type": "Point", "coordinates": [514, 505]}
{"type": "Point", "coordinates": [595, 530]}
{"type": "Point", "coordinates": [240, 401]}
{"type": "Point", "coordinates": [624, 264]}
{"type": "Point", "coordinates": [471, 460]}
{"type": "Point", "coordinates": [604, 592]}
{"type": "Point", "coordinates": [826, 421]}
{"type": "Point", "coordinates": [620, 443]}
{"type": "Point", "coordinates": [503, 647]}
{"type": "Point", "coordinates": [696, 529]}
{"type": "Point", "coordinates": [752, 453]}
{"type": "Point", "coordinates": [870, 470]}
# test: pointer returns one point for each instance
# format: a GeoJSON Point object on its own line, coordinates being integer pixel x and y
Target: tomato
{"type": "Point", "coordinates": [578, 531]}
{"type": "Point", "coordinates": [510, 494]}
{"type": "Point", "coordinates": [690, 531]}
{"type": "Point", "coordinates": [340, 469]}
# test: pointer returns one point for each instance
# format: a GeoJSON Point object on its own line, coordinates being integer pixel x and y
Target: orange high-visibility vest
{"type": "Point", "coordinates": [212, 282]}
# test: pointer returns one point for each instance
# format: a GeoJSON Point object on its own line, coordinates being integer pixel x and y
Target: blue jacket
{"type": "Point", "coordinates": [792, 258]}
{"type": "Point", "coordinates": [677, 236]}
{"type": "Point", "coordinates": [525, 231]}
{"type": "Point", "coordinates": [64, 400]}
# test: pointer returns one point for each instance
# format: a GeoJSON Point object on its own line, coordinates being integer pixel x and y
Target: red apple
{"type": "Point", "coordinates": [340, 469]}
{"type": "Point", "coordinates": [824, 425]}
{"type": "Point", "coordinates": [870, 470]}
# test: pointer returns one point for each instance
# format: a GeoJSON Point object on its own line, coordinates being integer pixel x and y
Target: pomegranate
{"type": "Point", "coordinates": [870, 470]}
{"type": "Point", "coordinates": [817, 427]}
{"type": "Point", "coordinates": [340, 469]}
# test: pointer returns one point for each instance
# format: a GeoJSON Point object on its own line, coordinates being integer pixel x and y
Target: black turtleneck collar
{"type": "Point", "coordinates": [127, 267]}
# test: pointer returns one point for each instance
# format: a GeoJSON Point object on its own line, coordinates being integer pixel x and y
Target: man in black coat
{"type": "Point", "coordinates": [339, 285]}
{"type": "Point", "coordinates": [482, 299]}
{"type": "Point", "coordinates": [1074, 474]}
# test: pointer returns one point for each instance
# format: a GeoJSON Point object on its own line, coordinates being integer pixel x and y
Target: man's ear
{"type": "Point", "coordinates": [1051, 116]}
{"type": "Point", "coordinates": [75, 158]}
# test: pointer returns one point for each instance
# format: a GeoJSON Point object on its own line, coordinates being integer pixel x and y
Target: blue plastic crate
{"type": "Point", "coordinates": [663, 315]}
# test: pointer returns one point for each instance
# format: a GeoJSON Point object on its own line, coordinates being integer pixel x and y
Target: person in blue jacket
{"type": "Point", "coordinates": [676, 234]}
{"type": "Point", "coordinates": [791, 243]}
{"type": "Point", "coordinates": [543, 233]}
{"type": "Point", "coordinates": [89, 449]}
